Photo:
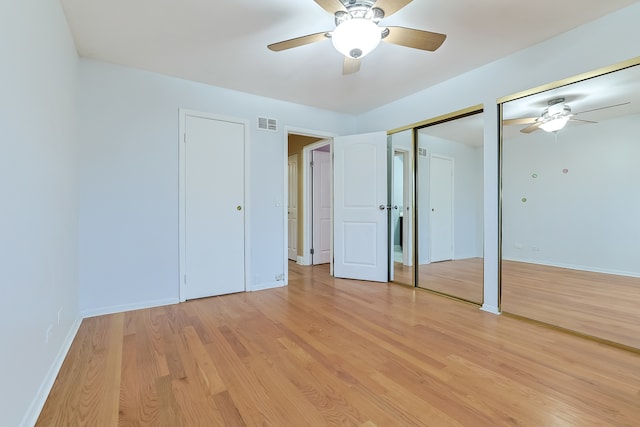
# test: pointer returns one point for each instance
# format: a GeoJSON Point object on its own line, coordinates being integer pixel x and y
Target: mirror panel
{"type": "Point", "coordinates": [449, 184]}
{"type": "Point", "coordinates": [570, 208]}
{"type": "Point", "coordinates": [400, 179]}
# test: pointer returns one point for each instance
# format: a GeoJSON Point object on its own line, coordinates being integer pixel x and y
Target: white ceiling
{"type": "Point", "coordinates": [223, 43]}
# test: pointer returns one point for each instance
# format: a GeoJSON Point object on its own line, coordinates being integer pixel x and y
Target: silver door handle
{"type": "Point", "coordinates": [382, 207]}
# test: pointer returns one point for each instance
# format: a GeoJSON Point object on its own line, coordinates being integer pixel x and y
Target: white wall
{"type": "Point", "coordinates": [467, 196]}
{"type": "Point", "coordinates": [603, 42]}
{"type": "Point", "coordinates": [38, 219]}
{"type": "Point", "coordinates": [586, 217]}
{"type": "Point", "coordinates": [128, 177]}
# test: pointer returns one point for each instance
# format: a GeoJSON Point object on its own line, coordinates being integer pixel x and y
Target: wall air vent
{"type": "Point", "coordinates": [267, 124]}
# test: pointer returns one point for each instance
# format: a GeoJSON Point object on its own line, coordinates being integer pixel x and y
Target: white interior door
{"type": "Point", "coordinates": [360, 214]}
{"type": "Point", "coordinates": [292, 208]}
{"type": "Point", "coordinates": [441, 208]}
{"type": "Point", "coordinates": [213, 207]}
{"type": "Point", "coordinates": [321, 207]}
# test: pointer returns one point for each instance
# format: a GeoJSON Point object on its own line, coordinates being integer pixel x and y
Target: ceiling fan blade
{"type": "Point", "coordinates": [520, 121]}
{"type": "Point", "coordinates": [572, 119]}
{"type": "Point", "coordinates": [602, 108]}
{"type": "Point", "coordinates": [298, 41]}
{"type": "Point", "coordinates": [331, 6]}
{"type": "Point", "coordinates": [391, 6]}
{"type": "Point", "coordinates": [350, 66]}
{"type": "Point", "coordinates": [531, 128]}
{"type": "Point", "coordinates": [417, 39]}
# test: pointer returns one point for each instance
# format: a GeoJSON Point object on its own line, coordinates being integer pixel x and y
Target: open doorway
{"type": "Point", "coordinates": [309, 207]}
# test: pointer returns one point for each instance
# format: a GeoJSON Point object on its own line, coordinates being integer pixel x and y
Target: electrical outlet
{"type": "Point", "coordinates": [59, 315]}
{"type": "Point", "coordinates": [279, 277]}
{"type": "Point", "coordinates": [47, 334]}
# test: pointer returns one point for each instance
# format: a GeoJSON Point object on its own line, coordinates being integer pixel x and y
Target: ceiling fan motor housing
{"type": "Point", "coordinates": [557, 108]}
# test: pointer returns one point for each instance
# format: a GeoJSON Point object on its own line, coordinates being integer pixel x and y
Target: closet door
{"type": "Point", "coordinates": [214, 216]}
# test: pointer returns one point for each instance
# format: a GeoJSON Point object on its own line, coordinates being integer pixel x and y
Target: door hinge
{"type": "Point", "coordinates": [184, 138]}
{"type": "Point", "coordinates": [312, 251]}
{"type": "Point", "coordinates": [185, 279]}
{"type": "Point", "coordinates": [311, 163]}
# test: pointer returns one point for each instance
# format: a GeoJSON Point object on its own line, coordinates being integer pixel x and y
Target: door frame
{"type": "Point", "coordinates": [182, 170]}
{"type": "Point", "coordinates": [285, 185]}
{"type": "Point", "coordinates": [297, 162]}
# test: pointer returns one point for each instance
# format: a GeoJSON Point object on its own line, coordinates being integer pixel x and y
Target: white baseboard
{"type": "Point", "coordinates": [31, 417]}
{"type": "Point", "coordinates": [490, 309]}
{"type": "Point", "coordinates": [264, 286]}
{"type": "Point", "coordinates": [127, 307]}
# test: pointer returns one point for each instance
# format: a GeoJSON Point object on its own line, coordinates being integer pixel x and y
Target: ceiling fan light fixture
{"type": "Point", "coordinates": [355, 38]}
{"type": "Point", "coordinates": [555, 124]}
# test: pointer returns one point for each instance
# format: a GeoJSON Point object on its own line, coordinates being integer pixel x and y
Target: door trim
{"type": "Point", "coordinates": [182, 170]}
{"type": "Point", "coordinates": [293, 158]}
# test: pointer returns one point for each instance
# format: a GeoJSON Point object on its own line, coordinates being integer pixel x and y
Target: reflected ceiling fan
{"type": "Point", "coordinates": [554, 117]}
{"type": "Point", "coordinates": [357, 32]}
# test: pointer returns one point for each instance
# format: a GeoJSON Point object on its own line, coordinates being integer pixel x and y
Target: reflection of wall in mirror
{"type": "Point", "coordinates": [467, 197]}
{"type": "Point", "coordinates": [573, 199]}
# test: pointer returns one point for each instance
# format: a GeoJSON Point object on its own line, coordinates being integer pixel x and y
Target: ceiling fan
{"type": "Point", "coordinates": [357, 32]}
{"type": "Point", "coordinates": [554, 117]}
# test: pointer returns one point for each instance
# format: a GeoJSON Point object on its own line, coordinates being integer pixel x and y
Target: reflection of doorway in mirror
{"type": "Point", "coordinates": [397, 205]}
{"type": "Point", "coordinates": [400, 203]}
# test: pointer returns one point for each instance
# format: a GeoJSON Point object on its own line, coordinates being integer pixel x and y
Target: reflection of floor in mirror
{"type": "Point", "coordinates": [397, 253]}
{"type": "Point", "coordinates": [459, 278]}
{"type": "Point", "coordinates": [601, 305]}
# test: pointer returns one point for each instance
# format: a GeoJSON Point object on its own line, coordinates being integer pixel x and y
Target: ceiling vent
{"type": "Point", "coordinates": [267, 124]}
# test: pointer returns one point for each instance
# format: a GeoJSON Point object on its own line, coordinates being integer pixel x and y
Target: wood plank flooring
{"type": "Point", "coordinates": [326, 352]}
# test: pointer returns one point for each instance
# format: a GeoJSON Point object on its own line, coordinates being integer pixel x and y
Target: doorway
{"type": "Point", "coordinates": [306, 145]}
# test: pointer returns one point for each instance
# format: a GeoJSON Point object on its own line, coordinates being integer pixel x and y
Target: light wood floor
{"type": "Point", "coordinates": [326, 351]}
{"type": "Point", "coordinates": [601, 305]}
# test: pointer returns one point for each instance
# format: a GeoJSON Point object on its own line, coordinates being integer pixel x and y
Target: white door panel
{"type": "Point", "coordinates": [321, 207]}
{"type": "Point", "coordinates": [441, 208]}
{"type": "Point", "coordinates": [214, 207]}
{"type": "Point", "coordinates": [360, 188]}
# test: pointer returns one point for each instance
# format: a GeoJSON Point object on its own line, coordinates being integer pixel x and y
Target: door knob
{"type": "Point", "coordinates": [238, 208]}
{"type": "Point", "coordinates": [382, 207]}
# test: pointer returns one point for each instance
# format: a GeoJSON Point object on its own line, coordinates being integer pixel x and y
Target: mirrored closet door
{"type": "Point", "coordinates": [449, 206]}
{"type": "Point", "coordinates": [570, 183]}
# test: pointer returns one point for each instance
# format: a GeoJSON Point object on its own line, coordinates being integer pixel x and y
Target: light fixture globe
{"type": "Point", "coordinates": [355, 38]}
{"type": "Point", "coordinates": [555, 124]}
